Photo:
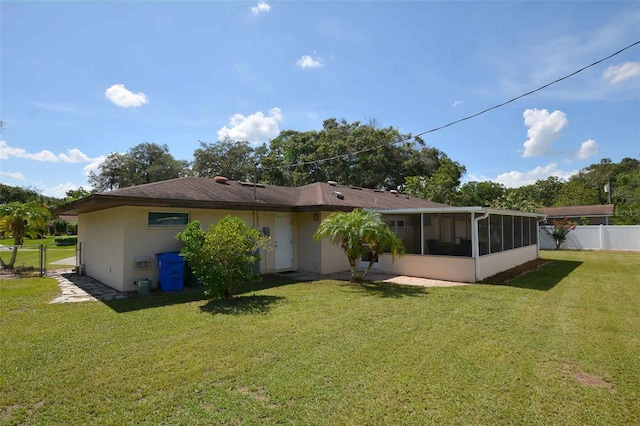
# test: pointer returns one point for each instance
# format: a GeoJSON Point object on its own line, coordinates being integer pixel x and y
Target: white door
{"type": "Point", "coordinates": [283, 242]}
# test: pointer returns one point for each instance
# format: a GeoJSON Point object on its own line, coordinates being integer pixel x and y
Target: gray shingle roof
{"type": "Point", "coordinates": [579, 211]}
{"type": "Point", "coordinates": [201, 192]}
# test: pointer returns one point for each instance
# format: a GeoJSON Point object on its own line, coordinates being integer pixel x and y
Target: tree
{"type": "Point", "coordinates": [515, 200]}
{"type": "Point", "coordinates": [144, 163]}
{"type": "Point", "coordinates": [560, 230]}
{"type": "Point", "coordinates": [543, 192]}
{"type": "Point", "coordinates": [441, 186]}
{"type": "Point", "coordinates": [359, 232]}
{"type": "Point", "coordinates": [76, 194]}
{"type": "Point", "coordinates": [20, 220]}
{"type": "Point", "coordinates": [232, 159]}
{"type": "Point", "coordinates": [578, 191]}
{"type": "Point", "coordinates": [380, 157]}
{"type": "Point", "coordinates": [223, 257]}
{"type": "Point", "coordinates": [479, 193]}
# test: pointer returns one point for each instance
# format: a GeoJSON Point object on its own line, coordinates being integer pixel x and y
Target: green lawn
{"type": "Point", "coordinates": [557, 346]}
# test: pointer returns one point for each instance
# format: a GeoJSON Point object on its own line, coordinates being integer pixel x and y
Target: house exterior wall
{"type": "Point", "coordinates": [332, 256]}
{"type": "Point", "coordinates": [494, 263]}
{"type": "Point", "coordinates": [102, 236]}
{"type": "Point", "coordinates": [309, 252]}
{"type": "Point", "coordinates": [448, 268]}
{"type": "Point", "coordinates": [112, 239]}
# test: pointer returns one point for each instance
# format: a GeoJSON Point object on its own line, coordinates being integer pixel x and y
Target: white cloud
{"type": "Point", "coordinates": [93, 165]}
{"type": "Point", "coordinates": [307, 61]}
{"type": "Point", "coordinates": [14, 175]}
{"type": "Point", "coordinates": [619, 73]}
{"type": "Point", "coordinates": [255, 128]}
{"type": "Point", "coordinates": [544, 129]}
{"type": "Point", "coordinates": [456, 104]}
{"type": "Point", "coordinates": [60, 190]}
{"type": "Point", "coordinates": [515, 179]}
{"type": "Point", "coordinates": [588, 149]}
{"type": "Point", "coordinates": [75, 156]}
{"type": "Point", "coordinates": [65, 108]}
{"type": "Point", "coordinates": [261, 7]}
{"type": "Point", "coordinates": [72, 156]}
{"type": "Point", "coordinates": [122, 97]}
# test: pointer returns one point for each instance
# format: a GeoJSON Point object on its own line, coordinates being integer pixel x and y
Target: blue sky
{"type": "Point", "coordinates": [81, 80]}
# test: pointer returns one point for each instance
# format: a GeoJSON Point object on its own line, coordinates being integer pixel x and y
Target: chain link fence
{"type": "Point", "coordinates": [37, 259]}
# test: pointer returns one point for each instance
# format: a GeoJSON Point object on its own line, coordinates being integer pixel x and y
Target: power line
{"type": "Point", "coordinates": [435, 129]}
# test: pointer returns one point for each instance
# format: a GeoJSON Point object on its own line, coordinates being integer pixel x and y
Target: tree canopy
{"type": "Point", "coordinates": [20, 220]}
{"type": "Point", "coordinates": [382, 157]}
{"type": "Point", "coordinates": [144, 163]}
{"type": "Point", "coordinates": [235, 160]}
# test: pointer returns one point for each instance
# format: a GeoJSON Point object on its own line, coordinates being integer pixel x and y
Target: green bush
{"type": "Point", "coordinates": [223, 257]}
{"type": "Point", "coordinates": [66, 241]}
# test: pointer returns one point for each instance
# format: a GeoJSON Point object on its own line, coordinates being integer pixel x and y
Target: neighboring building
{"type": "Point", "coordinates": [119, 232]}
{"type": "Point", "coordinates": [596, 215]}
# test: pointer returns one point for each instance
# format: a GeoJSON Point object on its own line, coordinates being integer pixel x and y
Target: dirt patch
{"type": "Point", "coordinates": [589, 380]}
{"type": "Point", "coordinates": [593, 381]}
{"type": "Point", "coordinates": [518, 271]}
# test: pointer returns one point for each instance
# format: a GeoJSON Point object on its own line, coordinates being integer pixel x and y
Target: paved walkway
{"type": "Point", "coordinates": [80, 288]}
{"type": "Point", "coordinates": [376, 276]}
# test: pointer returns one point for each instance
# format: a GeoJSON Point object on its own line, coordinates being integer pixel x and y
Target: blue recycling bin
{"type": "Point", "coordinates": [171, 267]}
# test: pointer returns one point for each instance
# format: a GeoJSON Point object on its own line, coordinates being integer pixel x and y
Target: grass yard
{"type": "Point", "coordinates": [29, 252]}
{"type": "Point", "coordinates": [560, 345]}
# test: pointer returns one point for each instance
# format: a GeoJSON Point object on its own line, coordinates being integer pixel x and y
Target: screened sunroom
{"type": "Point", "coordinates": [464, 244]}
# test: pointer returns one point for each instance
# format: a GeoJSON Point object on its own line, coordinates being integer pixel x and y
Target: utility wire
{"type": "Point", "coordinates": [435, 129]}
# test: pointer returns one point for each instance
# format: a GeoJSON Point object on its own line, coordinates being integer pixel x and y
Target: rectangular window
{"type": "Point", "coordinates": [167, 219]}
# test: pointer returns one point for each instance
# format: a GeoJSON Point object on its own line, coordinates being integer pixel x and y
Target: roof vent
{"type": "Point", "coordinates": [220, 179]}
{"type": "Point", "coordinates": [355, 187]}
{"type": "Point", "coordinates": [332, 182]}
{"type": "Point", "coordinates": [394, 192]}
{"type": "Point", "coordinates": [338, 194]}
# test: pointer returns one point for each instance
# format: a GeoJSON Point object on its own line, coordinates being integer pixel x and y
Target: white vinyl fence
{"type": "Point", "coordinates": [595, 237]}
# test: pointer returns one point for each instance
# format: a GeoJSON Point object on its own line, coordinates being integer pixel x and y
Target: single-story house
{"type": "Point", "coordinates": [120, 231]}
{"type": "Point", "coordinates": [595, 215]}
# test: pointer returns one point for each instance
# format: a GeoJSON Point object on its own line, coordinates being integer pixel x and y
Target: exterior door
{"type": "Point", "coordinates": [283, 241]}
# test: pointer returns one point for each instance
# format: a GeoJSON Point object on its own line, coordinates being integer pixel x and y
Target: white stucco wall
{"type": "Point", "coordinates": [308, 251]}
{"type": "Point", "coordinates": [112, 239]}
{"type": "Point", "coordinates": [332, 257]}
{"type": "Point", "coordinates": [101, 234]}
{"type": "Point", "coordinates": [491, 264]}
{"type": "Point", "coordinates": [448, 268]}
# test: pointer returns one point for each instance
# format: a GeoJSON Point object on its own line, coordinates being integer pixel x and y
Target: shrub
{"type": "Point", "coordinates": [66, 241]}
{"type": "Point", "coordinates": [223, 257]}
{"type": "Point", "coordinates": [560, 230]}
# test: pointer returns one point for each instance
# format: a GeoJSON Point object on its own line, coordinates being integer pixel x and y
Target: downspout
{"type": "Point", "coordinates": [422, 234]}
{"type": "Point", "coordinates": [538, 239]}
{"type": "Point", "coordinates": [475, 242]}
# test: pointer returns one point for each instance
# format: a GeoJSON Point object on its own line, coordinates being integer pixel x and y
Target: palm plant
{"type": "Point", "coordinates": [20, 220]}
{"type": "Point", "coordinates": [360, 232]}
